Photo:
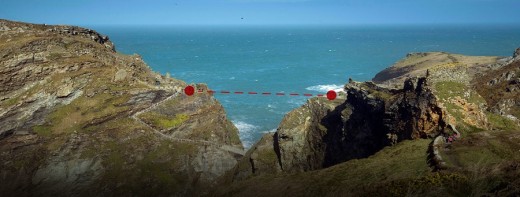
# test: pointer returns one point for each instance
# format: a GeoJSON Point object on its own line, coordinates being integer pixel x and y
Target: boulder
{"type": "Point", "coordinates": [120, 75]}
{"type": "Point", "coordinates": [66, 89]}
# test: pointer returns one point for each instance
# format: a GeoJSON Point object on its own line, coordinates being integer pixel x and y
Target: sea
{"type": "Point", "coordinates": [292, 59]}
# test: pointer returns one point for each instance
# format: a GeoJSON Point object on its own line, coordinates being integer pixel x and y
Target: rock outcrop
{"type": "Point", "coordinates": [79, 119]}
{"type": "Point", "coordinates": [393, 137]}
{"type": "Point", "coordinates": [472, 89]}
{"type": "Point", "coordinates": [261, 159]}
{"type": "Point", "coordinates": [501, 89]}
{"type": "Point", "coordinates": [324, 133]}
{"type": "Point", "coordinates": [440, 65]}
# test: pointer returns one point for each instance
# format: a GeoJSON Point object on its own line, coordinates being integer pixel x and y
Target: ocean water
{"type": "Point", "coordinates": [298, 59]}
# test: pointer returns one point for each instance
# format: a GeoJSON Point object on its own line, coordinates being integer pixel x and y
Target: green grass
{"type": "Point", "coordinates": [163, 121]}
{"type": "Point", "coordinates": [54, 56]}
{"type": "Point", "coordinates": [268, 156]}
{"type": "Point", "coordinates": [448, 90]}
{"type": "Point", "coordinates": [451, 89]}
{"type": "Point", "coordinates": [483, 149]}
{"type": "Point", "coordinates": [85, 110]}
{"type": "Point", "coordinates": [28, 93]}
{"type": "Point", "coordinates": [500, 122]}
{"type": "Point", "coordinates": [407, 160]}
{"type": "Point", "coordinates": [382, 95]}
{"type": "Point", "coordinates": [400, 170]}
{"type": "Point", "coordinates": [174, 122]}
{"type": "Point", "coordinates": [10, 102]}
{"type": "Point", "coordinates": [235, 139]}
{"type": "Point", "coordinates": [480, 157]}
{"type": "Point", "coordinates": [467, 129]}
{"type": "Point", "coordinates": [143, 166]}
{"type": "Point", "coordinates": [454, 110]}
{"type": "Point", "coordinates": [43, 130]}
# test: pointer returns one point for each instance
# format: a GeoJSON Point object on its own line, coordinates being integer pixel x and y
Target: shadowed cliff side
{"type": "Point", "coordinates": [324, 133]}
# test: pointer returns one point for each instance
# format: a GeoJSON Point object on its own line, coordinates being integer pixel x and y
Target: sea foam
{"type": "Point", "coordinates": [246, 132]}
{"type": "Point", "coordinates": [326, 88]}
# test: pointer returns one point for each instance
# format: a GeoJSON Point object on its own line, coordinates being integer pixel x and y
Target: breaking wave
{"type": "Point", "coordinates": [326, 88]}
{"type": "Point", "coordinates": [246, 132]}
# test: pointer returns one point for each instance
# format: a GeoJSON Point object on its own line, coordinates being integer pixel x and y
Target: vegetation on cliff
{"type": "Point", "coordinates": [78, 118]}
{"type": "Point", "coordinates": [380, 139]}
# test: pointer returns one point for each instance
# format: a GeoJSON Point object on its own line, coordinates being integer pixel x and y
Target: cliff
{"type": "Point", "coordinates": [368, 118]}
{"type": "Point", "coordinates": [78, 118]}
{"type": "Point", "coordinates": [442, 66]}
{"type": "Point", "coordinates": [379, 138]}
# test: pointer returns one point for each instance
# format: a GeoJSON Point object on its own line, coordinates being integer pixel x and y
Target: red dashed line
{"type": "Point", "coordinates": [331, 95]}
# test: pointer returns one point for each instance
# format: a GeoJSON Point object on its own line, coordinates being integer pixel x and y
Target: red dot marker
{"type": "Point", "coordinates": [331, 95]}
{"type": "Point", "coordinates": [189, 90]}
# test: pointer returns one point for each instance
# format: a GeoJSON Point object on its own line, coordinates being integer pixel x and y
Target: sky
{"type": "Point", "coordinates": [261, 12]}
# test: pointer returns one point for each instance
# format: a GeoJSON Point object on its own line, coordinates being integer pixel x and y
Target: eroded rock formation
{"type": "Point", "coordinates": [79, 119]}
{"type": "Point", "coordinates": [324, 133]}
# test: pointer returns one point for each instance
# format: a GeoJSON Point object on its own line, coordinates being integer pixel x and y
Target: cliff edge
{"type": "Point", "coordinates": [78, 118]}
{"type": "Point", "coordinates": [432, 124]}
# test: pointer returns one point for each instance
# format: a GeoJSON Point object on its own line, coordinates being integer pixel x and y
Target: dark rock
{"type": "Point", "coordinates": [409, 84]}
{"type": "Point", "coordinates": [402, 116]}
{"type": "Point", "coordinates": [320, 135]}
{"type": "Point", "coordinates": [492, 82]}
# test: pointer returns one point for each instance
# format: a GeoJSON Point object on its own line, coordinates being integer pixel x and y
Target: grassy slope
{"type": "Point", "coordinates": [386, 165]}
{"type": "Point", "coordinates": [435, 62]}
{"type": "Point", "coordinates": [483, 162]}
{"type": "Point", "coordinates": [480, 165]}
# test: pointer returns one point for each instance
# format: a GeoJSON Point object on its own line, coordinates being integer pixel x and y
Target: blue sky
{"type": "Point", "coordinates": [262, 12]}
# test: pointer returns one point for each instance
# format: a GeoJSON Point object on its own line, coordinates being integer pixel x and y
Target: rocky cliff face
{"type": "Point", "coordinates": [324, 133]}
{"type": "Point", "coordinates": [478, 92]}
{"type": "Point", "coordinates": [80, 119]}
{"type": "Point", "coordinates": [378, 139]}
{"type": "Point", "coordinates": [500, 88]}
